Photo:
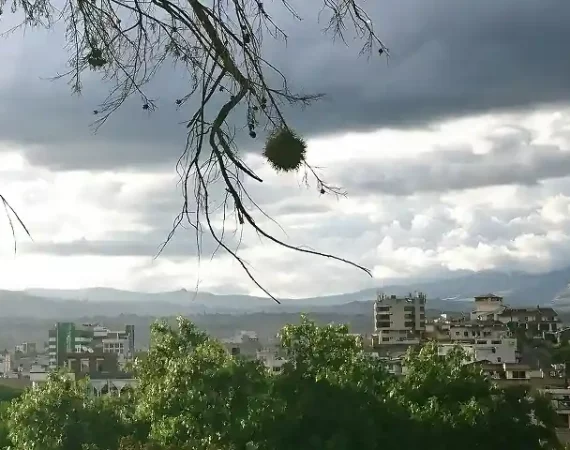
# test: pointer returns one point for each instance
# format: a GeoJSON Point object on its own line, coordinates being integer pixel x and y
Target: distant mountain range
{"type": "Point", "coordinates": [449, 294]}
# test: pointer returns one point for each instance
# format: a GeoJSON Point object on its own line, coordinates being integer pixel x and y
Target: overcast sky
{"type": "Point", "coordinates": [455, 156]}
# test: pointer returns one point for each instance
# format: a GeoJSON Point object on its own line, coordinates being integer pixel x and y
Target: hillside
{"type": "Point", "coordinates": [449, 294]}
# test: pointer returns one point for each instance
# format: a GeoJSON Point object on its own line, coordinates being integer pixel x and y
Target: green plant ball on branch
{"type": "Point", "coordinates": [285, 150]}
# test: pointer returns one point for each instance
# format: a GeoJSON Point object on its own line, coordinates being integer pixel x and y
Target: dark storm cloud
{"type": "Point", "coordinates": [512, 160]}
{"type": "Point", "coordinates": [449, 58]}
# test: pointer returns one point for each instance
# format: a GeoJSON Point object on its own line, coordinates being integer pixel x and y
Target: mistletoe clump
{"type": "Point", "coordinates": [285, 150]}
{"type": "Point", "coordinates": [95, 58]}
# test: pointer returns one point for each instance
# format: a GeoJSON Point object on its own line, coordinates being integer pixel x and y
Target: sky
{"type": "Point", "coordinates": [455, 154]}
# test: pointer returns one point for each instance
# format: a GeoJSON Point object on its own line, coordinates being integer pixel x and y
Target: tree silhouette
{"type": "Point", "coordinates": [219, 44]}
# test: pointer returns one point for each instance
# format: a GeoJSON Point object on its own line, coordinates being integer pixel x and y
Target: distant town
{"type": "Point", "coordinates": [527, 346]}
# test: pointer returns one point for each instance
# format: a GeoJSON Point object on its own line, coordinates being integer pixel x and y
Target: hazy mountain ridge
{"type": "Point", "coordinates": [449, 294]}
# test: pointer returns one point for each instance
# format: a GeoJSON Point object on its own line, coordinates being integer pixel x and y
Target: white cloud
{"type": "Point", "coordinates": [512, 226]}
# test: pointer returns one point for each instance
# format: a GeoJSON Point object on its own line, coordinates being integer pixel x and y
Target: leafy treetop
{"type": "Point", "coordinates": [193, 395]}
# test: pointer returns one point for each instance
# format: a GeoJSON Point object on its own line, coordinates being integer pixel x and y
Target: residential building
{"type": "Point", "coordinates": [393, 364]}
{"type": "Point", "coordinates": [511, 372]}
{"type": "Point", "coordinates": [26, 348]}
{"type": "Point", "coordinates": [537, 321]}
{"type": "Point", "coordinates": [38, 374]}
{"type": "Point", "coordinates": [64, 338]}
{"type": "Point", "coordinates": [67, 338]}
{"type": "Point", "coordinates": [486, 304]}
{"type": "Point", "coordinates": [271, 359]}
{"type": "Point", "coordinates": [90, 362]}
{"type": "Point", "coordinates": [560, 399]}
{"type": "Point", "coordinates": [100, 383]}
{"type": "Point", "coordinates": [395, 337]}
{"type": "Point", "coordinates": [495, 352]}
{"type": "Point", "coordinates": [5, 363]}
{"type": "Point", "coordinates": [121, 343]}
{"type": "Point", "coordinates": [470, 332]}
{"type": "Point", "coordinates": [393, 313]}
{"type": "Point", "coordinates": [244, 343]}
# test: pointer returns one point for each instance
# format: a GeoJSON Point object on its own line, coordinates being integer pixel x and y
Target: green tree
{"type": "Point", "coordinates": [561, 354]}
{"type": "Point", "coordinates": [192, 392]}
{"type": "Point", "coordinates": [62, 415]}
{"type": "Point", "coordinates": [330, 395]}
{"type": "Point", "coordinates": [446, 397]}
{"type": "Point", "coordinates": [4, 430]}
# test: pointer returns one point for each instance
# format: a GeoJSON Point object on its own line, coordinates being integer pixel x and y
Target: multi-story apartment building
{"type": "Point", "coordinates": [26, 348]}
{"type": "Point", "coordinates": [494, 352]}
{"type": "Point", "coordinates": [121, 343]}
{"type": "Point", "coordinates": [470, 332]}
{"type": "Point", "coordinates": [65, 338]}
{"type": "Point", "coordinates": [101, 369]}
{"type": "Point", "coordinates": [485, 305]}
{"type": "Point", "coordinates": [398, 317]}
{"type": "Point", "coordinates": [271, 359]}
{"type": "Point", "coordinates": [244, 343]}
{"type": "Point", "coordinates": [5, 363]}
{"type": "Point", "coordinates": [536, 321]}
{"type": "Point", "coordinates": [68, 338]}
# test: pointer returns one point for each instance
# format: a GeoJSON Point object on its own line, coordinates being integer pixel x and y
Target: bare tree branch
{"type": "Point", "coordinates": [13, 219]}
{"type": "Point", "coordinates": [219, 45]}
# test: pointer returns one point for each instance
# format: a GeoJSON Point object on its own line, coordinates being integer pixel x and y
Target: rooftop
{"type": "Point", "coordinates": [487, 365]}
{"type": "Point", "coordinates": [524, 311]}
{"type": "Point", "coordinates": [479, 325]}
{"type": "Point", "coordinates": [485, 296]}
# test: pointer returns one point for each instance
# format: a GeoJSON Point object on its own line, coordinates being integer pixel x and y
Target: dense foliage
{"type": "Point", "coordinates": [9, 393]}
{"type": "Point", "coordinates": [194, 395]}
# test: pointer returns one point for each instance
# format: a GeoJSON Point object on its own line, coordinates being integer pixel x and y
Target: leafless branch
{"type": "Point", "coordinates": [220, 47]}
{"type": "Point", "coordinates": [13, 219]}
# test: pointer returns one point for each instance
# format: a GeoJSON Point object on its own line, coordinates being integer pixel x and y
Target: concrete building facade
{"type": "Point", "coordinates": [393, 313]}
{"type": "Point", "coordinates": [498, 352]}
{"type": "Point", "coordinates": [68, 338]}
